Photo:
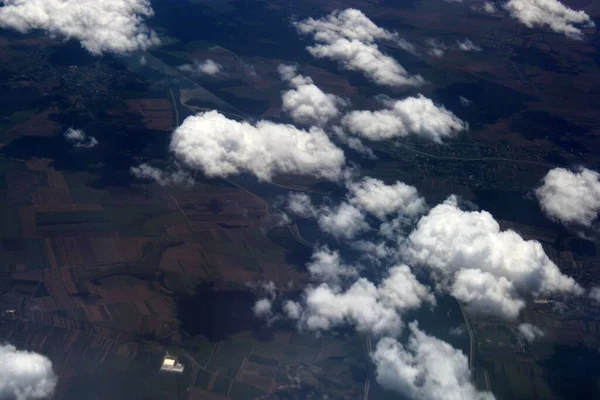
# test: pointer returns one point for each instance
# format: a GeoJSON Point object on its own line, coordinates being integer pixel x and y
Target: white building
{"type": "Point", "coordinates": [170, 364]}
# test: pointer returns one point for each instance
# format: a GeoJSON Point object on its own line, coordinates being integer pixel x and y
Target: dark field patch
{"type": "Point", "coordinates": [540, 124]}
{"type": "Point", "coordinates": [263, 360]}
{"type": "Point", "coordinates": [531, 55]}
{"type": "Point", "coordinates": [203, 379]}
{"type": "Point", "coordinates": [243, 391]}
{"type": "Point", "coordinates": [216, 314]}
{"type": "Point", "coordinates": [573, 372]}
{"type": "Point", "coordinates": [489, 101]}
{"type": "Point", "coordinates": [221, 385]}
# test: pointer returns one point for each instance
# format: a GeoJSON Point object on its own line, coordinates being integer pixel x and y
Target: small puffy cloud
{"type": "Point", "coordinates": [467, 45]}
{"type": "Point", "coordinates": [353, 142]}
{"type": "Point", "coordinates": [570, 197]}
{"type": "Point", "coordinates": [25, 375]}
{"type": "Point", "coordinates": [349, 37]}
{"type": "Point", "coordinates": [306, 103]}
{"type": "Point", "coordinates": [300, 204]}
{"type": "Point", "coordinates": [101, 26]}
{"type": "Point", "coordinates": [426, 368]}
{"type": "Point", "coordinates": [489, 7]}
{"type": "Point", "coordinates": [595, 294]}
{"type": "Point", "coordinates": [80, 139]}
{"type": "Point", "coordinates": [381, 200]}
{"type": "Point", "coordinates": [551, 14]}
{"type": "Point", "coordinates": [327, 266]}
{"type": "Point", "coordinates": [264, 288]}
{"type": "Point", "coordinates": [178, 177]}
{"type": "Point", "coordinates": [376, 309]}
{"type": "Point", "coordinates": [220, 147]}
{"type": "Point", "coordinates": [292, 309]}
{"type": "Point", "coordinates": [418, 116]}
{"type": "Point", "coordinates": [206, 67]}
{"type": "Point", "coordinates": [436, 48]}
{"type": "Point", "coordinates": [494, 272]}
{"type": "Point", "coordinates": [263, 308]}
{"type": "Point", "coordinates": [458, 330]}
{"type": "Point", "coordinates": [344, 221]}
{"type": "Point", "coordinates": [530, 332]}
{"type": "Point", "coordinates": [464, 101]}
{"type": "Point", "coordinates": [269, 288]}
{"type": "Point", "coordinates": [375, 252]}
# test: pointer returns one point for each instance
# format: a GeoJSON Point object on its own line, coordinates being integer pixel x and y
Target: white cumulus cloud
{"type": "Point", "coordinates": [306, 103]}
{"type": "Point", "coordinates": [344, 221]}
{"type": "Point", "coordinates": [206, 67]}
{"type": "Point", "coordinates": [163, 178]}
{"type": "Point", "coordinates": [436, 48]}
{"type": "Point", "coordinates": [381, 200]}
{"type": "Point", "coordinates": [595, 294]}
{"type": "Point", "coordinates": [426, 368]}
{"type": "Point", "coordinates": [292, 309]}
{"type": "Point", "coordinates": [530, 332]}
{"type": "Point", "coordinates": [489, 7]}
{"type": "Point", "coordinates": [25, 375]}
{"type": "Point", "coordinates": [220, 147]}
{"type": "Point", "coordinates": [80, 139]}
{"type": "Point", "coordinates": [551, 14]}
{"type": "Point", "coordinates": [368, 307]}
{"type": "Point", "coordinates": [467, 45]}
{"type": "Point", "coordinates": [494, 272]}
{"type": "Point", "coordinates": [349, 37]}
{"type": "Point", "coordinates": [101, 26]}
{"type": "Point", "coordinates": [418, 116]}
{"type": "Point", "coordinates": [326, 266]}
{"type": "Point", "coordinates": [263, 308]}
{"type": "Point", "coordinates": [570, 197]}
{"type": "Point", "coordinates": [301, 204]}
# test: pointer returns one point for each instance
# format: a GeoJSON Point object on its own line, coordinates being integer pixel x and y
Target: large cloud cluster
{"type": "Point", "coordinates": [571, 197]}
{"type": "Point", "coordinates": [426, 368]}
{"type": "Point", "coordinates": [101, 26]}
{"type": "Point", "coordinates": [220, 147]}
{"type": "Point", "coordinates": [368, 195]}
{"type": "Point", "coordinates": [348, 37]}
{"type": "Point", "coordinates": [494, 272]}
{"type": "Point", "coordinates": [376, 309]}
{"type": "Point", "coordinates": [25, 375]}
{"type": "Point", "coordinates": [306, 103]}
{"type": "Point", "coordinates": [550, 13]}
{"type": "Point", "coordinates": [418, 116]}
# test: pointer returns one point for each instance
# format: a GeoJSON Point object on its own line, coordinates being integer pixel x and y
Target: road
{"type": "Point", "coordinates": [175, 108]}
{"type": "Point", "coordinates": [473, 340]}
{"type": "Point", "coordinates": [468, 158]}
